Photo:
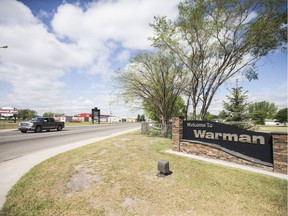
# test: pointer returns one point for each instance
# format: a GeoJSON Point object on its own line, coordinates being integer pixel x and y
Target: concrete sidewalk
{"type": "Point", "coordinates": [230, 164]}
{"type": "Point", "coordinates": [11, 171]}
{"type": "Point", "coordinates": [7, 130]}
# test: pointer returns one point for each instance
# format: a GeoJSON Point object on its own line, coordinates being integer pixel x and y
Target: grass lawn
{"type": "Point", "coordinates": [118, 177]}
{"type": "Point", "coordinates": [8, 124]}
{"type": "Point", "coordinates": [271, 129]}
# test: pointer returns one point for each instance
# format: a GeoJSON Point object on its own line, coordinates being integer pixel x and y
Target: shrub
{"type": "Point", "coordinates": [241, 125]}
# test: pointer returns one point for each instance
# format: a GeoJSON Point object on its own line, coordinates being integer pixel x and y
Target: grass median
{"type": "Point", "coordinates": [118, 177]}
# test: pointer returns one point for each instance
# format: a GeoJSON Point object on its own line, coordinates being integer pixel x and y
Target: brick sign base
{"type": "Point", "coordinates": [279, 149]}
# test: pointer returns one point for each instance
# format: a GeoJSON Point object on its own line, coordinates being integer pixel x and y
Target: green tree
{"type": "Point", "coordinates": [48, 115]}
{"type": "Point", "coordinates": [138, 118]}
{"type": "Point", "coordinates": [237, 105]}
{"type": "Point", "coordinates": [178, 110]}
{"type": "Point", "coordinates": [210, 117]}
{"type": "Point", "coordinates": [142, 118]}
{"type": "Point", "coordinates": [258, 117]}
{"type": "Point", "coordinates": [223, 115]}
{"type": "Point", "coordinates": [156, 79]}
{"type": "Point", "coordinates": [59, 114]}
{"type": "Point", "coordinates": [282, 116]}
{"type": "Point", "coordinates": [259, 111]}
{"type": "Point", "coordinates": [25, 114]}
{"type": "Point", "coordinates": [216, 40]}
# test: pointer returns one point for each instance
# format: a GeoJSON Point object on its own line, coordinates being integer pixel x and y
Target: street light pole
{"type": "Point", "coordinates": [4, 47]}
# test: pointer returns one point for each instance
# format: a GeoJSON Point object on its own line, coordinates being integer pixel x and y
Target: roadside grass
{"type": "Point", "coordinates": [8, 124]}
{"type": "Point", "coordinates": [271, 129]}
{"type": "Point", "coordinates": [118, 177]}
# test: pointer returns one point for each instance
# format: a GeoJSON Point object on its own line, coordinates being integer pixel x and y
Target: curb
{"type": "Point", "coordinates": [230, 164]}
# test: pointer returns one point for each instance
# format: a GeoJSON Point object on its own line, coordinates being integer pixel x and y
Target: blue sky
{"type": "Point", "coordinates": [61, 55]}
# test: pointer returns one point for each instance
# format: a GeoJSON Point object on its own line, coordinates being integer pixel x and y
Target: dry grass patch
{"type": "Point", "coordinates": [118, 177]}
{"type": "Point", "coordinates": [271, 129]}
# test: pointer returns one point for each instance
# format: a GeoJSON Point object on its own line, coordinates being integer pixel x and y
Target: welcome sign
{"type": "Point", "coordinates": [230, 139]}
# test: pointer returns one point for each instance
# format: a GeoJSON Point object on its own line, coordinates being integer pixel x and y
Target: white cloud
{"type": "Point", "coordinates": [280, 100]}
{"type": "Point", "coordinates": [34, 60]}
{"type": "Point", "coordinates": [126, 21]}
{"type": "Point", "coordinates": [17, 9]}
{"type": "Point", "coordinates": [81, 41]}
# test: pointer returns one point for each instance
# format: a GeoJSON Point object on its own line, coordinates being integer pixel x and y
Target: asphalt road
{"type": "Point", "coordinates": [14, 144]}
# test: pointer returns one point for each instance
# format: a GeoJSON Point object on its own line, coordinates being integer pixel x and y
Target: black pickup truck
{"type": "Point", "coordinates": [38, 124]}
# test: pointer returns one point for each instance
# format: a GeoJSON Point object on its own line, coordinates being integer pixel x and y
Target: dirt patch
{"type": "Point", "coordinates": [121, 142]}
{"type": "Point", "coordinates": [82, 180]}
{"type": "Point", "coordinates": [103, 152]}
{"type": "Point", "coordinates": [119, 145]}
{"type": "Point", "coordinates": [131, 155]}
{"type": "Point", "coordinates": [124, 139]}
{"type": "Point", "coordinates": [135, 205]}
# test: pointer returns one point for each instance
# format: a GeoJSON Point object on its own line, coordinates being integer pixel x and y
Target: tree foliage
{"type": "Point", "coordinates": [51, 114]}
{"type": "Point", "coordinates": [48, 114]}
{"type": "Point", "coordinates": [237, 105]}
{"type": "Point", "coordinates": [223, 115]}
{"type": "Point", "coordinates": [25, 114]}
{"type": "Point", "coordinates": [282, 115]}
{"type": "Point", "coordinates": [217, 39]}
{"type": "Point", "coordinates": [59, 114]}
{"type": "Point", "coordinates": [157, 80]}
{"type": "Point", "coordinates": [259, 111]}
{"type": "Point", "coordinates": [178, 109]}
{"type": "Point", "coordinates": [140, 118]}
{"type": "Point", "coordinates": [210, 117]}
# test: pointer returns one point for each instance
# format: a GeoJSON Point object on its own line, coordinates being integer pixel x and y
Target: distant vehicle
{"type": "Point", "coordinates": [38, 124]}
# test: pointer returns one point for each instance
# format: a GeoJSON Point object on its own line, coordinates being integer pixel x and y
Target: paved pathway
{"type": "Point", "coordinates": [230, 164]}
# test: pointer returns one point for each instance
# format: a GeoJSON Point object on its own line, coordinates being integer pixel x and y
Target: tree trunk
{"type": "Point", "coordinates": [164, 127]}
{"type": "Point", "coordinates": [194, 113]}
{"type": "Point", "coordinates": [187, 107]}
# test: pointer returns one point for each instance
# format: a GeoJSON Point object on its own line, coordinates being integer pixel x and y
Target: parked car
{"type": "Point", "coordinates": [38, 124]}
